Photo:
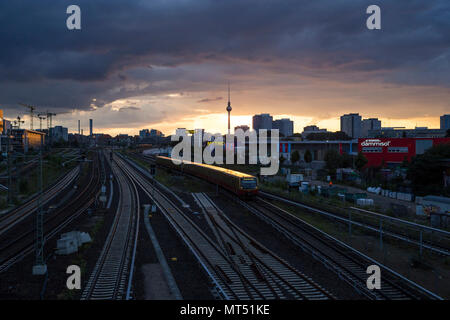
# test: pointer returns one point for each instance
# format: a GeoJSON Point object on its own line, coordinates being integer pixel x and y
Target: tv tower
{"type": "Point", "coordinates": [229, 107]}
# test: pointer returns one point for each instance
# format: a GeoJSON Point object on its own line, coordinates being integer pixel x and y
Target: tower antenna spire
{"type": "Point", "coordinates": [229, 107]}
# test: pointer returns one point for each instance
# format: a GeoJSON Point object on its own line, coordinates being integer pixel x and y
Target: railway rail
{"type": "Point", "coordinates": [111, 276]}
{"type": "Point", "coordinates": [272, 277]}
{"type": "Point", "coordinates": [347, 262]}
{"type": "Point", "coordinates": [254, 273]}
{"type": "Point", "coordinates": [438, 240]}
{"type": "Point", "coordinates": [21, 243]}
{"type": "Point", "coordinates": [424, 237]}
{"type": "Point", "coordinates": [15, 216]}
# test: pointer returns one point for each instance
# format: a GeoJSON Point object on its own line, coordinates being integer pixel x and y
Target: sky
{"type": "Point", "coordinates": [166, 64]}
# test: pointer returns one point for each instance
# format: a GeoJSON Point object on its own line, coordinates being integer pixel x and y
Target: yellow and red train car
{"type": "Point", "coordinates": [239, 183]}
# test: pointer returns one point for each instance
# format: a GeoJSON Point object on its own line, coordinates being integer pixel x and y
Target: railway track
{"type": "Point", "coordinates": [251, 272]}
{"type": "Point", "coordinates": [348, 263]}
{"type": "Point", "coordinates": [272, 277]}
{"type": "Point", "coordinates": [15, 216]}
{"type": "Point", "coordinates": [406, 231]}
{"type": "Point", "coordinates": [412, 235]}
{"type": "Point", "coordinates": [111, 276]}
{"type": "Point", "coordinates": [21, 243]}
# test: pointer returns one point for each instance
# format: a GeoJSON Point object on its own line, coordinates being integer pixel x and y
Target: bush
{"type": "Point", "coordinates": [426, 171]}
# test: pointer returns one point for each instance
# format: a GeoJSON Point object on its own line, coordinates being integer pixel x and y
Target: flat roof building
{"type": "Point", "coordinates": [262, 121]}
{"type": "Point", "coordinates": [369, 124]}
{"type": "Point", "coordinates": [311, 129]}
{"type": "Point", "coordinates": [445, 122]}
{"type": "Point", "coordinates": [285, 127]}
{"type": "Point", "coordinates": [418, 132]}
{"type": "Point", "coordinates": [59, 133]}
{"type": "Point", "coordinates": [351, 125]}
{"type": "Point", "coordinates": [23, 139]}
{"type": "Point", "coordinates": [393, 151]}
{"type": "Point", "coordinates": [318, 149]}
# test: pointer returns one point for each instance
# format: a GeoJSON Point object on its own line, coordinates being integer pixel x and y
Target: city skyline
{"type": "Point", "coordinates": [212, 122]}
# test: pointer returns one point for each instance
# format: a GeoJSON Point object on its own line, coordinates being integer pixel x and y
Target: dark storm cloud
{"type": "Point", "coordinates": [127, 48]}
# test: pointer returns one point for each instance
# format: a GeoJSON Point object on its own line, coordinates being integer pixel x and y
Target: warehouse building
{"type": "Point", "coordinates": [393, 151]}
{"type": "Point", "coordinates": [318, 149]}
{"type": "Point", "coordinates": [23, 140]}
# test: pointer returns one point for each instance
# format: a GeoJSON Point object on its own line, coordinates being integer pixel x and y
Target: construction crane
{"type": "Point", "coordinates": [41, 116]}
{"type": "Point", "coordinates": [32, 108]}
{"type": "Point", "coordinates": [18, 122]}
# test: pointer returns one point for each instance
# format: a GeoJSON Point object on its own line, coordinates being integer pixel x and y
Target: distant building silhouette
{"type": "Point", "coordinates": [243, 127]}
{"type": "Point", "coordinates": [262, 121]}
{"type": "Point", "coordinates": [445, 122]}
{"type": "Point", "coordinates": [351, 125]}
{"type": "Point", "coordinates": [369, 124]}
{"type": "Point", "coordinates": [285, 127]}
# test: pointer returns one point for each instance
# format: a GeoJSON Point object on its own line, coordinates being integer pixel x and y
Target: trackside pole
{"type": "Point", "coordinates": [40, 268]}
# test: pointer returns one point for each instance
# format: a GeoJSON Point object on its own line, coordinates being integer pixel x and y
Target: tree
{"type": "Point", "coordinates": [447, 134]}
{"type": "Point", "coordinates": [360, 161]}
{"type": "Point", "coordinates": [346, 160]}
{"type": "Point", "coordinates": [295, 156]}
{"type": "Point", "coordinates": [333, 160]}
{"type": "Point", "coordinates": [426, 171]}
{"type": "Point", "coordinates": [308, 156]}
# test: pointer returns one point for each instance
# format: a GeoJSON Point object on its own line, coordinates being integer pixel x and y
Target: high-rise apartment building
{"type": "Point", "coordinates": [285, 126]}
{"type": "Point", "coordinates": [445, 122]}
{"type": "Point", "coordinates": [351, 125]}
{"type": "Point", "coordinates": [59, 133]}
{"type": "Point", "coordinates": [262, 121]}
{"type": "Point", "coordinates": [369, 124]}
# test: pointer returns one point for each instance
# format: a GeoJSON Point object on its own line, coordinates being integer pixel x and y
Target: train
{"type": "Point", "coordinates": [239, 183]}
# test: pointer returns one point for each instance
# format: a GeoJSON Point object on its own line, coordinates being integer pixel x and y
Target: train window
{"type": "Point", "coordinates": [248, 183]}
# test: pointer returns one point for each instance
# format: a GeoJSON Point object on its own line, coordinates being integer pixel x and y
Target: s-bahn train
{"type": "Point", "coordinates": [237, 182]}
